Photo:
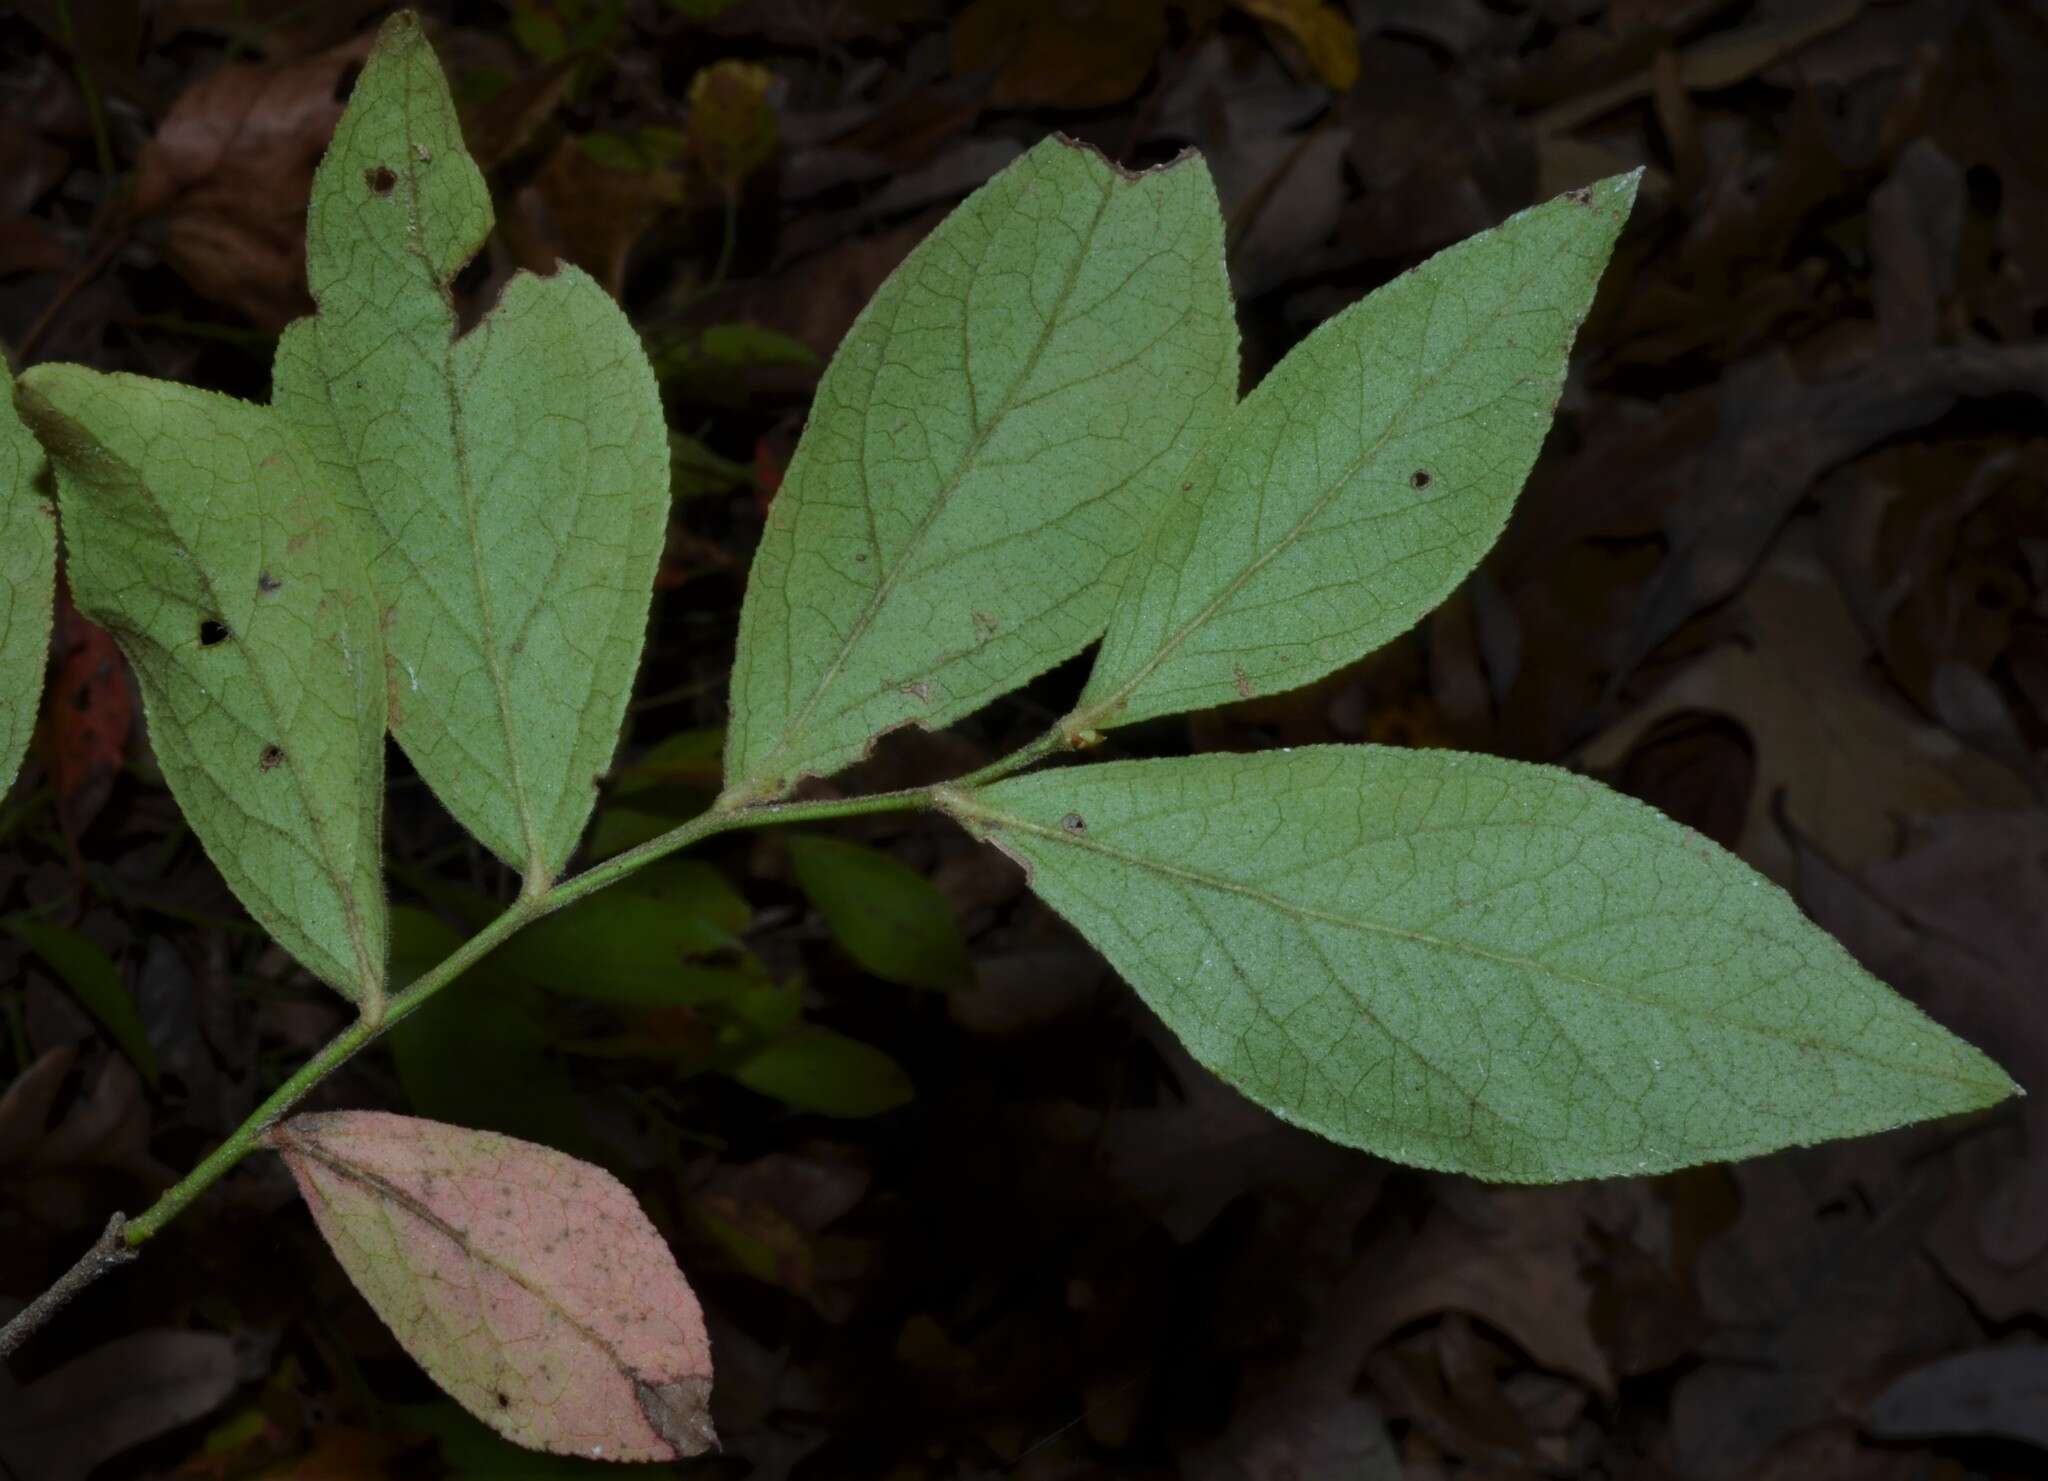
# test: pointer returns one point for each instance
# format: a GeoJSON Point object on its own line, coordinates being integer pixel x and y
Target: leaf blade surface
{"type": "Point", "coordinates": [512, 483]}
{"type": "Point", "coordinates": [985, 450]}
{"type": "Point", "coordinates": [200, 533]}
{"type": "Point", "coordinates": [1473, 964]}
{"type": "Point", "coordinates": [1360, 482]}
{"type": "Point", "coordinates": [529, 1285]}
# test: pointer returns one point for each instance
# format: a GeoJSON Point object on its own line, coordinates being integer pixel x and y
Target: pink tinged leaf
{"type": "Point", "coordinates": [529, 1285]}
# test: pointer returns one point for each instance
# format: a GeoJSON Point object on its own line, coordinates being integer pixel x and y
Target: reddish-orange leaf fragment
{"type": "Point", "coordinates": [87, 716]}
{"type": "Point", "coordinates": [529, 1285]}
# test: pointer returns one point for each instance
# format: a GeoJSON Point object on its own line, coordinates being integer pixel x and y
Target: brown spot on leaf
{"type": "Point", "coordinates": [380, 180]}
{"type": "Point", "coordinates": [272, 754]}
{"type": "Point", "coordinates": [680, 1412]}
{"type": "Point", "coordinates": [1242, 680]}
{"type": "Point", "coordinates": [268, 584]}
{"type": "Point", "coordinates": [1421, 478]}
{"type": "Point", "coordinates": [1583, 196]}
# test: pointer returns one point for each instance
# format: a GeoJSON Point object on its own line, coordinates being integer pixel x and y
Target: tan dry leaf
{"type": "Point", "coordinates": [529, 1285]}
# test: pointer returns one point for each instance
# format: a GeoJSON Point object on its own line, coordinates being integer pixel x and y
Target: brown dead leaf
{"type": "Point", "coordinates": [1775, 435]}
{"type": "Point", "coordinates": [230, 172]}
{"type": "Point", "coordinates": [1813, 1293]}
{"type": "Point", "coordinates": [1060, 53]}
{"type": "Point", "coordinates": [529, 1285]}
{"type": "Point", "coordinates": [593, 215]}
{"type": "Point", "coordinates": [1849, 759]}
{"type": "Point", "coordinates": [1522, 1272]}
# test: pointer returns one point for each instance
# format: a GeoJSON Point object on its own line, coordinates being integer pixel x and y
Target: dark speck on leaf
{"type": "Point", "coordinates": [1420, 479]}
{"type": "Point", "coordinates": [503, 1402]}
{"type": "Point", "coordinates": [270, 757]}
{"type": "Point", "coordinates": [268, 584]}
{"type": "Point", "coordinates": [212, 631]}
{"type": "Point", "coordinates": [1583, 196]}
{"type": "Point", "coordinates": [380, 180]}
{"type": "Point", "coordinates": [1073, 822]}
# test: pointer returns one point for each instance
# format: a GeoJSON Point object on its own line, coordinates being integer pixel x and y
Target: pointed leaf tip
{"type": "Point", "coordinates": [529, 1285]}
{"type": "Point", "coordinates": [1362, 480]}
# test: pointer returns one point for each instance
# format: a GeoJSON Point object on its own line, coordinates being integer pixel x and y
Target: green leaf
{"type": "Point", "coordinates": [631, 944]}
{"type": "Point", "coordinates": [95, 981]}
{"type": "Point", "coordinates": [889, 918]}
{"type": "Point", "coordinates": [1474, 964]}
{"type": "Point", "coordinates": [513, 483]}
{"type": "Point", "coordinates": [1356, 487]}
{"type": "Point", "coordinates": [695, 470]}
{"type": "Point", "coordinates": [28, 578]}
{"type": "Point", "coordinates": [816, 1069]}
{"type": "Point", "coordinates": [986, 449]}
{"type": "Point", "coordinates": [200, 532]}
{"type": "Point", "coordinates": [740, 345]}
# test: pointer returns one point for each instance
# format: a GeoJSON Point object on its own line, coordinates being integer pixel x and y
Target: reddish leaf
{"type": "Point", "coordinates": [87, 716]}
{"type": "Point", "coordinates": [529, 1285]}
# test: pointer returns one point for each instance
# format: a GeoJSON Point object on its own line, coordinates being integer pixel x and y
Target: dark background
{"type": "Point", "coordinates": [1782, 571]}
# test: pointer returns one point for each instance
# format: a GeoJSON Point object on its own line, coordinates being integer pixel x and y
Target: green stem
{"type": "Point", "coordinates": [364, 1032]}
{"type": "Point", "coordinates": [1055, 741]}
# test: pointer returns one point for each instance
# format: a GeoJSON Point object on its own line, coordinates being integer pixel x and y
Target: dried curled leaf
{"type": "Point", "coordinates": [529, 1285]}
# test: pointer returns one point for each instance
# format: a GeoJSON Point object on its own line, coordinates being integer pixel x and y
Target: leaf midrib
{"type": "Point", "coordinates": [536, 862]}
{"type": "Point", "coordinates": [980, 812]}
{"type": "Point", "coordinates": [391, 1193]}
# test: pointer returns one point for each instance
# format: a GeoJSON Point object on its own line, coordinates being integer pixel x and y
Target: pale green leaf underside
{"type": "Point", "coordinates": [1473, 964]}
{"type": "Point", "coordinates": [1364, 478]}
{"type": "Point", "coordinates": [984, 453]}
{"type": "Point", "coordinates": [182, 509]}
{"type": "Point", "coordinates": [28, 573]}
{"type": "Point", "coordinates": [512, 484]}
